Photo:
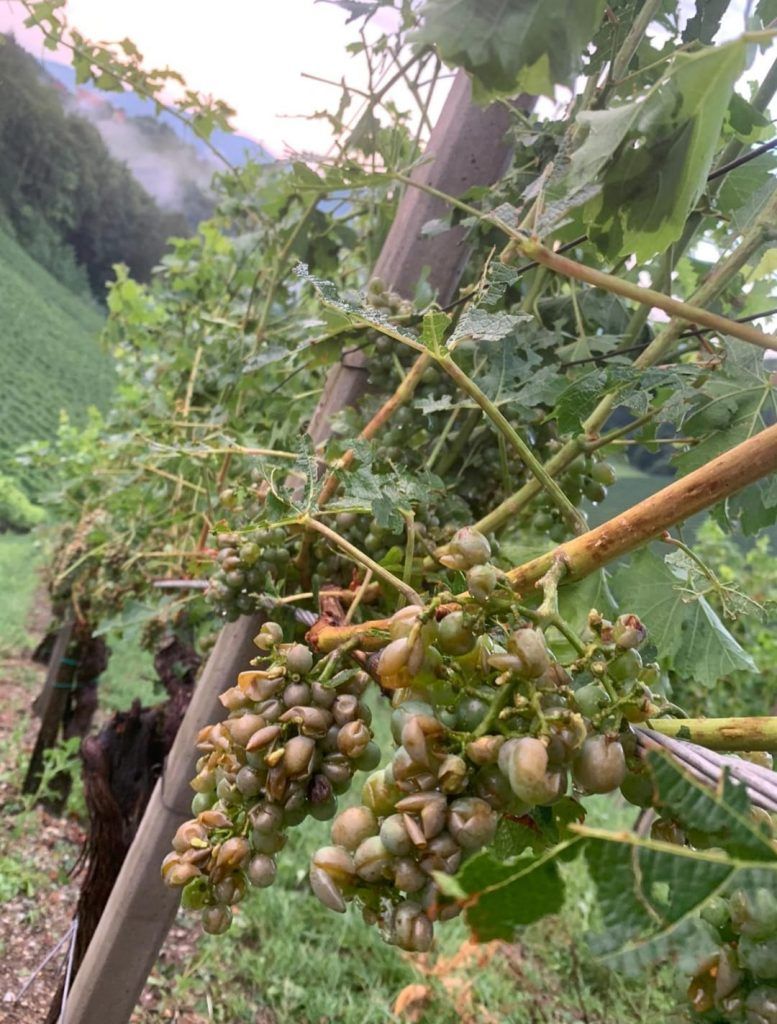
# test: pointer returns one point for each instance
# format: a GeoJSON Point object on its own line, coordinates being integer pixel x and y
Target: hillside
{"type": "Point", "coordinates": [50, 357]}
{"type": "Point", "coordinates": [74, 207]}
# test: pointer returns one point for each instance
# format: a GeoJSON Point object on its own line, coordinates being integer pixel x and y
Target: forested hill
{"type": "Point", "coordinates": [74, 207]}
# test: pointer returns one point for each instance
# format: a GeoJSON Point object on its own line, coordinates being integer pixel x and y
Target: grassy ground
{"type": "Point", "coordinates": [287, 959]}
{"type": "Point", "coordinates": [50, 358]}
{"type": "Point", "coordinates": [19, 557]}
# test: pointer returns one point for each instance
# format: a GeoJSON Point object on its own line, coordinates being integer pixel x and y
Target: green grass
{"type": "Point", "coordinates": [130, 676]}
{"type": "Point", "coordinates": [50, 358]}
{"type": "Point", "coordinates": [20, 556]}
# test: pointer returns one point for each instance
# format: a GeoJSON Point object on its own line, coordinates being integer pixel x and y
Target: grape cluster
{"type": "Point", "coordinates": [738, 983]}
{"type": "Point", "coordinates": [289, 746]}
{"type": "Point", "coordinates": [486, 723]}
{"type": "Point", "coordinates": [418, 816]}
{"type": "Point", "coordinates": [587, 477]}
{"type": "Point", "coordinates": [248, 567]}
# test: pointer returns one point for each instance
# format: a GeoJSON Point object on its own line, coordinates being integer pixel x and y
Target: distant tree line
{"type": "Point", "coordinates": [74, 207]}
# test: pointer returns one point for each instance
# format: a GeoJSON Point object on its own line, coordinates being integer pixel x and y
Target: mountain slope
{"type": "Point", "coordinates": [50, 356]}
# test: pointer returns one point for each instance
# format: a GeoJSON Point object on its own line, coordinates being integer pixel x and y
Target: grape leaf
{"type": "Point", "coordinates": [683, 626]}
{"type": "Point", "coordinates": [503, 896]}
{"type": "Point", "coordinates": [746, 189]}
{"type": "Point", "coordinates": [511, 46]}
{"type": "Point", "coordinates": [709, 651]}
{"type": "Point", "coordinates": [433, 403]}
{"type": "Point", "coordinates": [433, 328]}
{"type": "Point", "coordinates": [706, 21]}
{"type": "Point", "coordinates": [631, 387]}
{"type": "Point", "coordinates": [650, 892]}
{"type": "Point", "coordinates": [480, 325]}
{"type": "Point", "coordinates": [722, 814]}
{"type": "Point", "coordinates": [385, 494]}
{"type": "Point", "coordinates": [737, 402]}
{"type": "Point", "coordinates": [734, 601]}
{"type": "Point", "coordinates": [652, 156]}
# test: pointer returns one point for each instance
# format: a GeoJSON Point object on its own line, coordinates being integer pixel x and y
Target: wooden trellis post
{"type": "Point", "coordinates": [467, 147]}
{"type": "Point", "coordinates": [52, 701]}
{"type": "Point", "coordinates": [141, 909]}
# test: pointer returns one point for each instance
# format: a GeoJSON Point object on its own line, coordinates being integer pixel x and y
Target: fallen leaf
{"type": "Point", "coordinates": [412, 1001]}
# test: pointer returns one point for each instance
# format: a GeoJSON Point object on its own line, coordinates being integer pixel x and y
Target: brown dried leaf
{"type": "Point", "coordinates": [412, 1002]}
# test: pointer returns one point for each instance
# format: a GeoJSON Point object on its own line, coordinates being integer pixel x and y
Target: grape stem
{"type": "Point", "coordinates": [500, 700]}
{"type": "Point", "coordinates": [358, 556]}
{"type": "Point", "coordinates": [548, 610]}
{"type": "Point", "coordinates": [511, 435]}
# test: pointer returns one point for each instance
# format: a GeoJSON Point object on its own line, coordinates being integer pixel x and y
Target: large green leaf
{"type": "Point", "coordinates": [651, 156]}
{"type": "Point", "coordinates": [503, 896]}
{"type": "Point", "coordinates": [650, 892]}
{"type": "Point", "coordinates": [682, 625]}
{"type": "Point", "coordinates": [511, 46]}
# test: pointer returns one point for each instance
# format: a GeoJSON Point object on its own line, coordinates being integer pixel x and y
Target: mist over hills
{"type": "Point", "coordinates": [169, 160]}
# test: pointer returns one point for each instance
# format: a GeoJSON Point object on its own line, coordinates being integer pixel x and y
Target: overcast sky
{"type": "Point", "coordinates": [250, 53]}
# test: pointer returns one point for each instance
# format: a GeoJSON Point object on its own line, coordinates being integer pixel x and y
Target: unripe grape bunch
{"type": "Point", "coordinates": [487, 723]}
{"type": "Point", "coordinates": [288, 748]}
{"type": "Point", "coordinates": [738, 982]}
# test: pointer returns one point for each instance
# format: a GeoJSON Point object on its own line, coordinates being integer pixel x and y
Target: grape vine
{"type": "Point", "coordinates": [429, 557]}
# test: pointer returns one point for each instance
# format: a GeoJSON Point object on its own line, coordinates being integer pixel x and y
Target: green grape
{"type": "Point", "coordinates": [603, 473]}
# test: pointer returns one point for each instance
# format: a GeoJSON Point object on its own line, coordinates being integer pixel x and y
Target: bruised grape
{"type": "Point", "coordinates": [472, 822]}
{"type": "Point", "coordinates": [401, 714]}
{"type": "Point", "coordinates": [216, 920]}
{"type": "Point", "coordinates": [600, 766]}
{"type": "Point", "coordinates": [411, 928]}
{"type": "Point", "coordinates": [352, 826]}
{"type": "Point", "coordinates": [371, 859]}
{"type": "Point", "coordinates": [471, 546]}
{"type": "Point", "coordinates": [481, 582]}
{"type": "Point", "coordinates": [528, 645]}
{"type": "Point", "coordinates": [299, 660]}
{"type": "Point", "coordinates": [525, 763]}
{"type": "Point", "coordinates": [261, 870]}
